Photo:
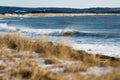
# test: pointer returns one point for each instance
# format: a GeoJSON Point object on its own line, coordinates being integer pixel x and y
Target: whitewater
{"type": "Point", "coordinates": [94, 34]}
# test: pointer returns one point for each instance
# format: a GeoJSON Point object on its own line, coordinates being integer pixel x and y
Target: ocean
{"type": "Point", "coordinates": [99, 34]}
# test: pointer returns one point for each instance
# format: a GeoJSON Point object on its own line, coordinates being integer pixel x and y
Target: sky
{"type": "Point", "coordinates": [61, 3]}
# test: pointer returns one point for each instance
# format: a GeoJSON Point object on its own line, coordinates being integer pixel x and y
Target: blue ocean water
{"type": "Point", "coordinates": [102, 31]}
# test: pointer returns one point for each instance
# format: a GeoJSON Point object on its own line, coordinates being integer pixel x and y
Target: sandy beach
{"type": "Point", "coordinates": [54, 14]}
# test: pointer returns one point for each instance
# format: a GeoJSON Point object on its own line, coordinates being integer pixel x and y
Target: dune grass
{"type": "Point", "coordinates": [2, 66]}
{"type": "Point", "coordinates": [48, 49]}
{"type": "Point", "coordinates": [28, 68]}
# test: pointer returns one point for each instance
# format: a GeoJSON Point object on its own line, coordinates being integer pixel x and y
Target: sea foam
{"type": "Point", "coordinates": [103, 49]}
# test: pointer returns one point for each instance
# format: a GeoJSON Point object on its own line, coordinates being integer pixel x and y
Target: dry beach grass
{"type": "Point", "coordinates": [26, 67]}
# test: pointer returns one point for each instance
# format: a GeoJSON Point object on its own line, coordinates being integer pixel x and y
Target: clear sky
{"type": "Point", "coordinates": [61, 3]}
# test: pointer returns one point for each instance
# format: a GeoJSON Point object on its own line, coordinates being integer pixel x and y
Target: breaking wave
{"type": "Point", "coordinates": [4, 27]}
{"type": "Point", "coordinates": [87, 34]}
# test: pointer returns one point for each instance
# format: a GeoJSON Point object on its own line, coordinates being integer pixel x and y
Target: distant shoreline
{"type": "Point", "coordinates": [54, 14]}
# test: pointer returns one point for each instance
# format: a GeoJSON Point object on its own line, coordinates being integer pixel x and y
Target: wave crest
{"type": "Point", "coordinates": [52, 32]}
{"type": "Point", "coordinates": [86, 34]}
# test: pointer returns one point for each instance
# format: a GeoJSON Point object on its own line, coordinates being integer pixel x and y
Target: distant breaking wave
{"type": "Point", "coordinates": [87, 34]}
{"type": "Point", "coordinates": [52, 32]}
{"type": "Point", "coordinates": [6, 28]}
